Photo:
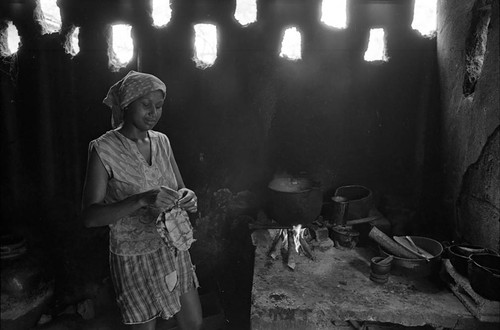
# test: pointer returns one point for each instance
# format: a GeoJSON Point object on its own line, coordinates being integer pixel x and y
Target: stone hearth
{"type": "Point", "coordinates": [335, 288]}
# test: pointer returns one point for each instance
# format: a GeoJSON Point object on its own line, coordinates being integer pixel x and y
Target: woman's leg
{"type": "Point", "coordinates": [151, 325]}
{"type": "Point", "coordinates": [190, 317]}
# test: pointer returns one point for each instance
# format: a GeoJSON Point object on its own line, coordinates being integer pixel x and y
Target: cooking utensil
{"type": "Point", "coordinates": [459, 255]}
{"type": "Point", "coordinates": [404, 242]}
{"type": "Point", "coordinates": [419, 250]}
{"type": "Point", "coordinates": [345, 237]}
{"type": "Point", "coordinates": [484, 275]}
{"type": "Point", "coordinates": [418, 267]}
{"type": "Point", "coordinates": [359, 201]}
{"type": "Point", "coordinates": [343, 209]}
{"type": "Point", "coordinates": [294, 201]}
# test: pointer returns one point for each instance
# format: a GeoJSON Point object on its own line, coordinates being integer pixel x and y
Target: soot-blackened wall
{"type": "Point", "coordinates": [468, 60]}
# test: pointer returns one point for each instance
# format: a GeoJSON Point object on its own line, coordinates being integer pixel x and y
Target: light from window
{"type": "Point", "coordinates": [291, 46]}
{"type": "Point", "coordinates": [161, 12]}
{"type": "Point", "coordinates": [74, 48]}
{"type": "Point", "coordinates": [205, 45]}
{"type": "Point", "coordinates": [51, 15]}
{"type": "Point", "coordinates": [13, 39]}
{"type": "Point", "coordinates": [246, 11]}
{"type": "Point", "coordinates": [333, 13]}
{"type": "Point", "coordinates": [376, 46]}
{"type": "Point", "coordinates": [424, 17]}
{"type": "Point", "coordinates": [123, 45]}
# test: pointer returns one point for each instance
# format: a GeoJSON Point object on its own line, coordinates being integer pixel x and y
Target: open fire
{"type": "Point", "coordinates": [286, 241]}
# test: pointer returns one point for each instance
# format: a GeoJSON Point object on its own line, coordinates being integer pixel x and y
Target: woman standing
{"type": "Point", "coordinates": [133, 185]}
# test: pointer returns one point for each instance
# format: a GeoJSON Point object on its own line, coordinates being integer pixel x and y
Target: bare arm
{"type": "Point", "coordinates": [95, 212]}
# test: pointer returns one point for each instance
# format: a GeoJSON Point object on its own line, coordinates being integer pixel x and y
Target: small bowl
{"type": "Point", "coordinates": [484, 275]}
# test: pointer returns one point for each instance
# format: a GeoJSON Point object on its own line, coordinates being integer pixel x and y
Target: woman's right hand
{"type": "Point", "coordinates": [162, 198]}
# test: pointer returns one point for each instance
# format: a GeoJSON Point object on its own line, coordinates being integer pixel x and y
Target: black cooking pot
{"type": "Point", "coordinates": [459, 255]}
{"type": "Point", "coordinates": [294, 201]}
{"type": "Point", "coordinates": [484, 275]}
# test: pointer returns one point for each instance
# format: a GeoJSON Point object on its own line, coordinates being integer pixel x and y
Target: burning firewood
{"type": "Point", "coordinates": [276, 240]}
{"type": "Point", "coordinates": [306, 249]}
{"type": "Point", "coordinates": [291, 245]}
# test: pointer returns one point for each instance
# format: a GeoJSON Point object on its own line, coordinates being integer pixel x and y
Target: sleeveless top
{"type": "Point", "coordinates": [129, 173]}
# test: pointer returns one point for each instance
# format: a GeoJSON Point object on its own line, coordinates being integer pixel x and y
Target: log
{"type": "Point", "coordinates": [276, 239]}
{"type": "Point", "coordinates": [389, 244]}
{"type": "Point", "coordinates": [307, 250]}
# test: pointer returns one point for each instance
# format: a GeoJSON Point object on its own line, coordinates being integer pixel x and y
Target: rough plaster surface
{"type": "Point", "coordinates": [336, 287]}
{"type": "Point", "coordinates": [468, 123]}
{"type": "Point", "coordinates": [479, 202]}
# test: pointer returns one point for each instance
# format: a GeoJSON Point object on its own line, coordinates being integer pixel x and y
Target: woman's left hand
{"type": "Point", "coordinates": [188, 200]}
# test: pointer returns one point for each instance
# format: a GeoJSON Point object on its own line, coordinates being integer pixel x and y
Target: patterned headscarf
{"type": "Point", "coordinates": [133, 86]}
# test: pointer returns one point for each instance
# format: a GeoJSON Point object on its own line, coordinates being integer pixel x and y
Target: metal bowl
{"type": "Point", "coordinates": [418, 267]}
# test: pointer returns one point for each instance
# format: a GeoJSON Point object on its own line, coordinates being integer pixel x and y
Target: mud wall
{"type": "Point", "coordinates": [469, 74]}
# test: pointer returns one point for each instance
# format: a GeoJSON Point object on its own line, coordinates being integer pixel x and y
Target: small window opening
{"type": "Point", "coordinates": [376, 50]}
{"type": "Point", "coordinates": [291, 46]}
{"type": "Point", "coordinates": [205, 45]}
{"type": "Point", "coordinates": [122, 49]}
{"type": "Point", "coordinates": [162, 13]}
{"type": "Point", "coordinates": [72, 45]}
{"type": "Point", "coordinates": [51, 16]}
{"type": "Point", "coordinates": [333, 13]}
{"type": "Point", "coordinates": [246, 11]}
{"type": "Point", "coordinates": [425, 17]}
{"type": "Point", "coordinates": [10, 42]}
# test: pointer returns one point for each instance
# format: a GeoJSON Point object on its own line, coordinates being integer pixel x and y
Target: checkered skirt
{"type": "Point", "coordinates": [140, 283]}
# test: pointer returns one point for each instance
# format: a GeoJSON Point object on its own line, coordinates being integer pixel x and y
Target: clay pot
{"type": "Point", "coordinates": [21, 274]}
{"type": "Point", "coordinates": [25, 286]}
